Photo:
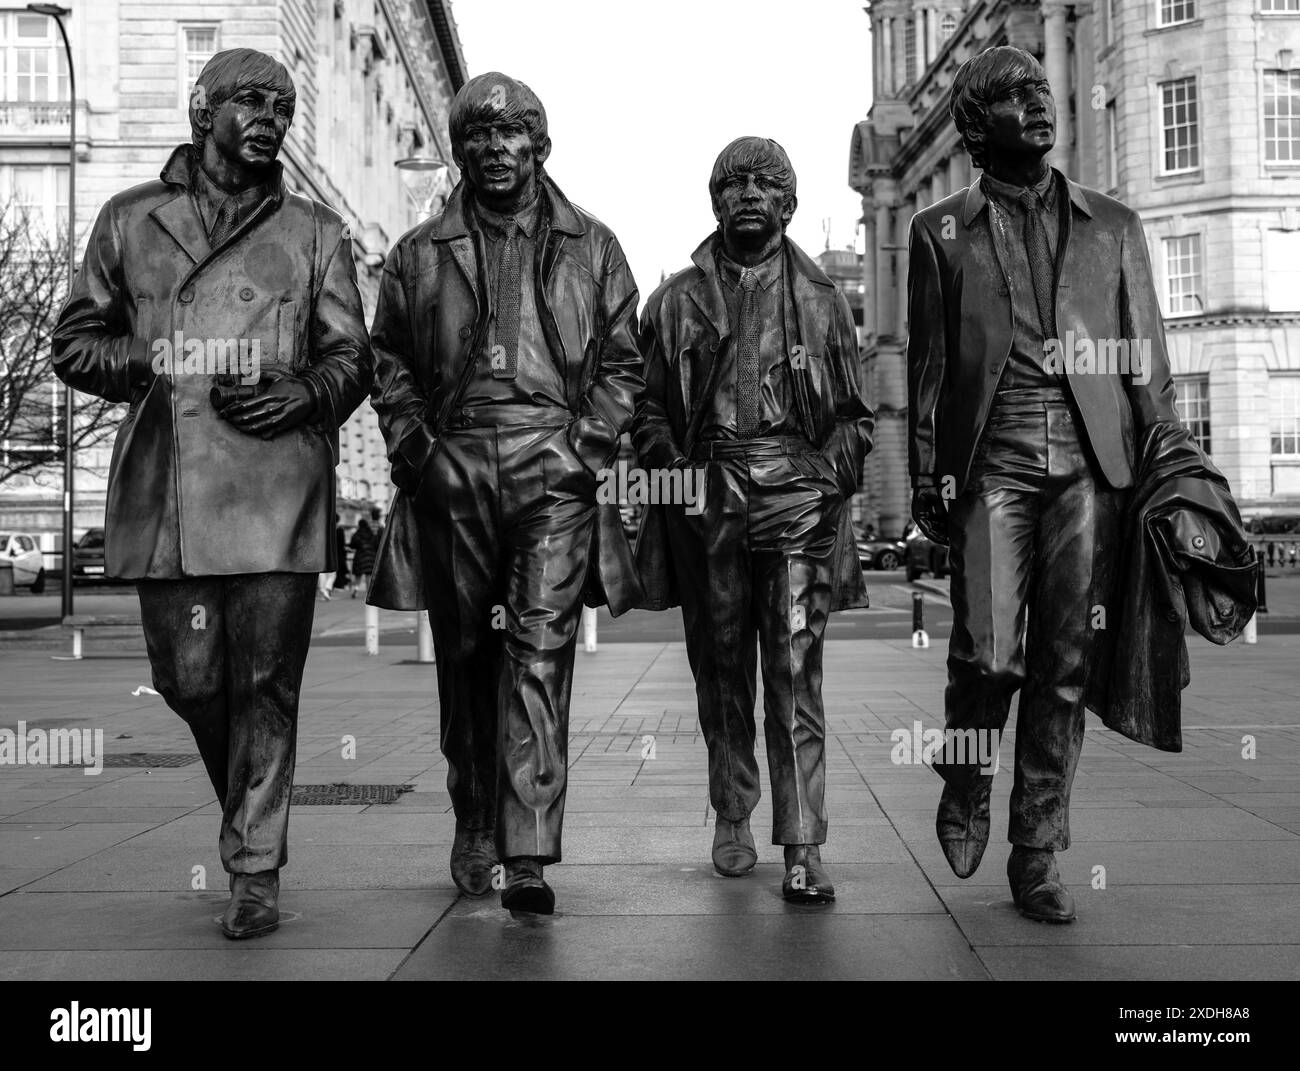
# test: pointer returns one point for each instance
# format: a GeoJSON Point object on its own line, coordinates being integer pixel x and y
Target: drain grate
{"type": "Point", "coordinates": [346, 795]}
{"type": "Point", "coordinates": [151, 760]}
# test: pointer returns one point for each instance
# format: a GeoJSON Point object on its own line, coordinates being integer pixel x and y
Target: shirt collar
{"type": "Point", "coordinates": [496, 221]}
{"type": "Point", "coordinates": [768, 271]}
{"type": "Point", "coordinates": [1008, 194]}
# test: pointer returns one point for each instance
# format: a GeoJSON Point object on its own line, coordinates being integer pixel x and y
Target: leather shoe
{"type": "Point", "coordinates": [525, 890]}
{"type": "Point", "coordinates": [1036, 885]}
{"type": "Point", "coordinates": [734, 854]}
{"type": "Point", "coordinates": [806, 880]}
{"type": "Point", "coordinates": [473, 855]}
{"type": "Point", "coordinates": [252, 910]}
{"type": "Point", "coordinates": [963, 825]}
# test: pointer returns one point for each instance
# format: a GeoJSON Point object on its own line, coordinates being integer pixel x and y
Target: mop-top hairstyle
{"type": "Point", "coordinates": [225, 74]}
{"type": "Point", "coordinates": [760, 156]}
{"type": "Point", "coordinates": [496, 98]}
{"type": "Point", "coordinates": [980, 81]}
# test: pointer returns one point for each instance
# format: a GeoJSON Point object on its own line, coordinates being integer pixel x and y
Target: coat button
{"type": "Point", "coordinates": [186, 296]}
{"type": "Point", "coordinates": [994, 368]}
{"type": "Point", "coordinates": [246, 293]}
{"type": "Point", "coordinates": [465, 332]}
{"type": "Point", "coordinates": [1198, 542]}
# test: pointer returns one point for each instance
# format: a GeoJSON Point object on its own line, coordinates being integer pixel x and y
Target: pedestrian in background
{"type": "Point", "coordinates": [364, 545]}
{"type": "Point", "coordinates": [342, 579]}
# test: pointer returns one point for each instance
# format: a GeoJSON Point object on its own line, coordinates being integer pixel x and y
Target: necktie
{"type": "Point", "coordinates": [1041, 269]}
{"type": "Point", "coordinates": [505, 354]}
{"type": "Point", "coordinates": [226, 223]}
{"type": "Point", "coordinates": [747, 356]}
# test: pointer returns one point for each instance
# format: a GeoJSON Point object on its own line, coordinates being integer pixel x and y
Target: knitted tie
{"type": "Point", "coordinates": [227, 221]}
{"type": "Point", "coordinates": [507, 334]}
{"type": "Point", "coordinates": [1041, 269]}
{"type": "Point", "coordinates": [747, 357]}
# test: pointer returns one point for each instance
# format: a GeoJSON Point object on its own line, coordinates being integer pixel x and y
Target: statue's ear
{"type": "Point", "coordinates": [458, 158]}
{"type": "Point", "coordinates": [787, 210]}
{"type": "Point", "coordinates": [542, 151]}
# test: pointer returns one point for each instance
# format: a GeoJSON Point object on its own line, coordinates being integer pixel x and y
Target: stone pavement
{"type": "Point", "coordinates": [1201, 851]}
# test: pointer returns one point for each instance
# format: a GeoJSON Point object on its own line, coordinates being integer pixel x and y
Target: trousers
{"type": "Point", "coordinates": [506, 519]}
{"type": "Point", "coordinates": [1034, 542]}
{"type": "Point", "coordinates": [227, 654]}
{"type": "Point", "coordinates": [755, 570]}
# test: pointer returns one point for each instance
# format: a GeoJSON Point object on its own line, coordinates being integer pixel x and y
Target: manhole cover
{"type": "Point", "coordinates": [139, 760]}
{"type": "Point", "coordinates": [344, 795]}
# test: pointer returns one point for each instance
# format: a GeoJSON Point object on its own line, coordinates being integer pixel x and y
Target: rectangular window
{"type": "Point", "coordinates": [199, 43]}
{"type": "Point", "coordinates": [37, 195]}
{"type": "Point", "coordinates": [1282, 117]}
{"type": "Point", "coordinates": [1280, 5]}
{"type": "Point", "coordinates": [1172, 12]}
{"type": "Point", "coordinates": [1282, 258]}
{"type": "Point", "coordinates": [1194, 408]}
{"type": "Point", "coordinates": [909, 52]}
{"type": "Point", "coordinates": [1183, 281]}
{"type": "Point", "coordinates": [33, 62]}
{"type": "Point", "coordinates": [1180, 132]}
{"type": "Point", "coordinates": [1284, 416]}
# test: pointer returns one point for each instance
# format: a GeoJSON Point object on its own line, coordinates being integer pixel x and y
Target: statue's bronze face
{"type": "Point", "coordinates": [500, 160]}
{"type": "Point", "coordinates": [1021, 122]}
{"type": "Point", "coordinates": [249, 127]}
{"type": "Point", "coordinates": [751, 206]}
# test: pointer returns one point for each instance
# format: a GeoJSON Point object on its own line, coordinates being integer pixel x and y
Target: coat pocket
{"type": "Point", "coordinates": [286, 333]}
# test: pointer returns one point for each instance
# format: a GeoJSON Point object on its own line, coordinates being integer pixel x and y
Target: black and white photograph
{"type": "Point", "coordinates": [694, 492]}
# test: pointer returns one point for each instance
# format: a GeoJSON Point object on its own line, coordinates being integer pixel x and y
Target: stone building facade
{"type": "Point", "coordinates": [1188, 110]}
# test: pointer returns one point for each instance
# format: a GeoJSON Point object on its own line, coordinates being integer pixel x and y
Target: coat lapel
{"type": "Point", "coordinates": [180, 219]}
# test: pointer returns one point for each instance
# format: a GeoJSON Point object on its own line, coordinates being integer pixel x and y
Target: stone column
{"type": "Point", "coordinates": [887, 56]}
{"type": "Point", "coordinates": [1056, 63]}
{"type": "Point", "coordinates": [870, 273]}
{"type": "Point", "coordinates": [932, 16]}
{"type": "Point", "coordinates": [902, 225]}
{"type": "Point", "coordinates": [885, 302]}
{"type": "Point", "coordinates": [900, 54]}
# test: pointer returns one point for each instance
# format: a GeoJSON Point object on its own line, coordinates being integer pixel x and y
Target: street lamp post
{"type": "Point", "coordinates": [422, 176]}
{"type": "Point", "coordinates": [57, 13]}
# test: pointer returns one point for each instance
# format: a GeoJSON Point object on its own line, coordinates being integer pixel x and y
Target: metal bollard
{"type": "Point", "coordinates": [920, 638]}
{"type": "Point", "coordinates": [424, 639]}
{"type": "Point", "coordinates": [372, 630]}
{"type": "Point", "coordinates": [589, 629]}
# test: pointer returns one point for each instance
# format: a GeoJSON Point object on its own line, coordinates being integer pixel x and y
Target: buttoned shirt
{"type": "Point", "coordinates": [777, 413]}
{"type": "Point", "coordinates": [1025, 367]}
{"type": "Point", "coordinates": [537, 381]}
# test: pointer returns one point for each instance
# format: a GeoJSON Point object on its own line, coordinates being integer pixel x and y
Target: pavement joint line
{"type": "Point", "coordinates": [988, 973]}
{"type": "Point", "coordinates": [427, 934]}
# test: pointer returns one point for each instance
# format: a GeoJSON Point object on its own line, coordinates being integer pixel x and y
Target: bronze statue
{"type": "Point", "coordinates": [1040, 396]}
{"type": "Point", "coordinates": [752, 376]}
{"type": "Point", "coordinates": [505, 345]}
{"type": "Point", "coordinates": [224, 311]}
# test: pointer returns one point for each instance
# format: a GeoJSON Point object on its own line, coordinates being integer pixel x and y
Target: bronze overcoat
{"type": "Point", "coordinates": [684, 328]}
{"type": "Point", "coordinates": [188, 493]}
{"type": "Point", "coordinates": [429, 326]}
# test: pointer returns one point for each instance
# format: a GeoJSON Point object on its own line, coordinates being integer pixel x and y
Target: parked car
{"type": "Point", "coordinates": [922, 556]}
{"type": "Point", "coordinates": [88, 554]}
{"type": "Point", "coordinates": [23, 553]}
{"type": "Point", "coordinates": [880, 553]}
{"type": "Point", "coordinates": [1274, 524]}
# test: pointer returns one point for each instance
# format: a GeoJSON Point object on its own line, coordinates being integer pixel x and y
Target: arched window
{"type": "Point", "coordinates": [947, 26]}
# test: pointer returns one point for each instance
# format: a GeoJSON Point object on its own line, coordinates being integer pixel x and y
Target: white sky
{"type": "Point", "coordinates": [641, 97]}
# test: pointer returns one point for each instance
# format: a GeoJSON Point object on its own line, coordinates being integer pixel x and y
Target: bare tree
{"type": "Point", "coordinates": [33, 285]}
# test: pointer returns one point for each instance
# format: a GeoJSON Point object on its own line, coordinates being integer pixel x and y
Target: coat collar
{"type": "Point", "coordinates": [180, 218]}
{"type": "Point", "coordinates": [706, 288]}
{"type": "Point", "coordinates": [976, 201]}
{"type": "Point", "coordinates": [455, 223]}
